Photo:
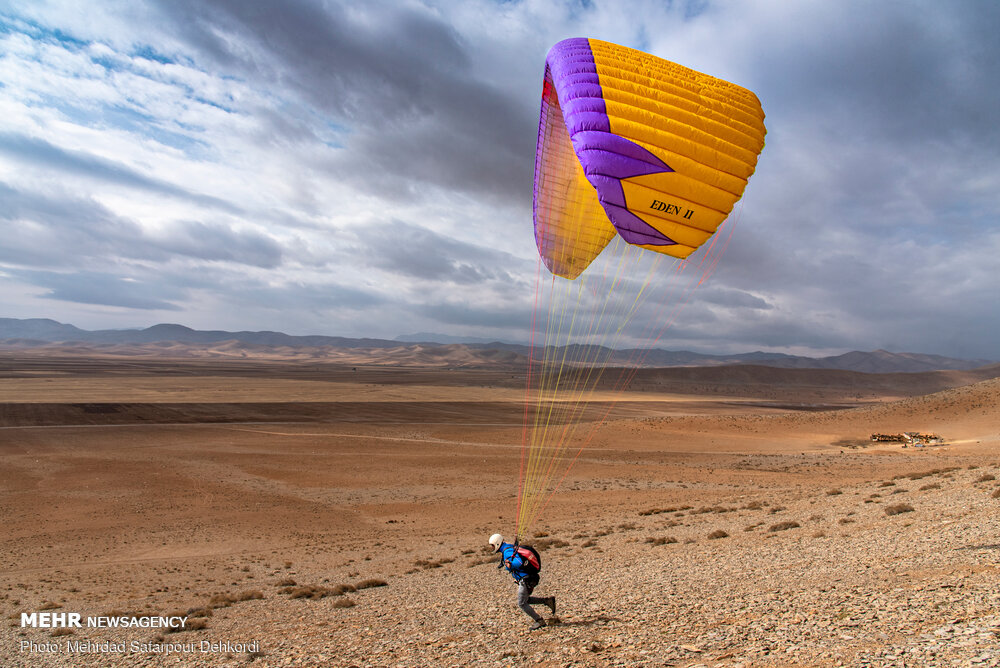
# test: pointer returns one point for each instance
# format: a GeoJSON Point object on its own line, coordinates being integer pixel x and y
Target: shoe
{"type": "Point", "coordinates": [551, 602]}
{"type": "Point", "coordinates": [540, 624]}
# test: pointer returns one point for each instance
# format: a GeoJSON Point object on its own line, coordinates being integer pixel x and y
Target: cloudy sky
{"type": "Point", "coordinates": [365, 168]}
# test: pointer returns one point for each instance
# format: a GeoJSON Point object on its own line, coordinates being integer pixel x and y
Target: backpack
{"type": "Point", "coordinates": [532, 561]}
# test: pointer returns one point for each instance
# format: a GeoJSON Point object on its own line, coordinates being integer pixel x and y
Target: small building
{"type": "Point", "coordinates": [914, 438]}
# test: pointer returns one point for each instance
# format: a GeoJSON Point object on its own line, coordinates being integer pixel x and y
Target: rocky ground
{"type": "Point", "coordinates": [709, 533]}
{"type": "Point", "coordinates": [890, 572]}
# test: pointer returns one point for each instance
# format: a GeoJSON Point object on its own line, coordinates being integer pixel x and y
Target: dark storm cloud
{"type": "Point", "coordinates": [399, 77]}
{"type": "Point", "coordinates": [59, 230]}
{"type": "Point", "coordinates": [903, 71]}
{"type": "Point", "coordinates": [419, 253]}
{"type": "Point", "coordinates": [105, 289]}
{"type": "Point", "coordinates": [509, 320]}
{"type": "Point", "coordinates": [50, 156]}
{"type": "Point", "coordinates": [297, 296]}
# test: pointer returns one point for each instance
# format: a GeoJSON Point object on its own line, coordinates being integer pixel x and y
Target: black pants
{"type": "Point", "coordinates": [525, 599]}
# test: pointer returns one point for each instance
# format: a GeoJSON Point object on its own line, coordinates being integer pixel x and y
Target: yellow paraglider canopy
{"type": "Point", "coordinates": [638, 146]}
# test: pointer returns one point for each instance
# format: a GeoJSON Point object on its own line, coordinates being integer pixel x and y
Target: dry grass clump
{"type": "Point", "coordinates": [343, 603]}
{"type": "Point", "coordinates": [898, 508]}
{"type": "Point", "coordinates": [660, 511]}
{"type": "Point", "coordinates": [661, 540]}
{"type": "Point", "coordinates": [196, 620]}
{"type": "Point", "coordinates": [996, 493]}
{"type": "Point", "coordinates": [711, 509]}
{"type": "Point", "coordinates": [427, 565]}
{"type": "Point", "coordinates": [986, 478]}
{"type": "Point", "coordinates": [776, 509]}
{"type": "Point", "coordinates": [718, 533]}
{"type": "Point", "coordinates": [475, 562]}
{"type": "Point", "coordinates": [315, 592]}
{"type": "Point", "coordinates": [833, 492]}
{"type": "Point", "coordinates": [226, 600]}
{"type": "Point", "coordinates": [784, 526]}
{"type": "Point", "coordinates": [49, 605]}
{"type": "Point", "coordinates": [370, 583]}
{"type": "Point", "coordinates": [131, 615]}
{"type": "Point", "coordinates": [925, 474]}
{"type": "Point", "coordinates": [589, 543]}
{"type": "Point", "coordinates": [932, 485]}
{"type": "Point", "coordinates": [546, 543]}
{"type": "Point", "coordinates": [62, 632]}
{"type": "Point", "coordinates": [287, 582]}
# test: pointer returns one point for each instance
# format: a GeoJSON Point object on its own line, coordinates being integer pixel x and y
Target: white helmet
{"type": "Point", "coordinates": [496, 540]}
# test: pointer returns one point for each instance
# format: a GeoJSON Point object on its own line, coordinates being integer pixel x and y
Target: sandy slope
{"type": "Point", "coordinates": [123, 515]}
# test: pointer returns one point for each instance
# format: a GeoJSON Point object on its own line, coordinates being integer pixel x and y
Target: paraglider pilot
{"type": "Point", "coordinates": [524, 565]}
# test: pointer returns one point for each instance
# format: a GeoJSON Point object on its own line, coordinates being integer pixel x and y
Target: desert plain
{"type": "Point", "coordinates": [317, 512]}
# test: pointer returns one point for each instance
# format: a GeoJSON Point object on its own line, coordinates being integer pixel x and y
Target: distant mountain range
{"type": "Point", "coordinates": [37, 332]}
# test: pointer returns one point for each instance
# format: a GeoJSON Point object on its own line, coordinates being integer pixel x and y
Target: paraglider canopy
{"type": "Point", "coordinates": [638, 146]}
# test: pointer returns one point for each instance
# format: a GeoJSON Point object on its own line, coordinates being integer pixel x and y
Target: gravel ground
{"type": "Point", "coordinates": [886, 573]}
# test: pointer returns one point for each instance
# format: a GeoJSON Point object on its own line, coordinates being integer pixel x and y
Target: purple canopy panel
{"type": "Point", "coordinates": [606, 157]}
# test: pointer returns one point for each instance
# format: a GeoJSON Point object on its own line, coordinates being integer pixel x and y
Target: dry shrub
{"type": "Point", "coordinates": [549, 542]}
{"type": "Point", "coordinates": [370, 583]}
{"type": "Point", "coordinates": [754, 505]}
{"type": "Point", "coordinates": [845, 520]}
{"type": "Point", "coordinates": [589, 543]}
{"type": "Point", "coordinates": [343, 603]}
{"type": "Point", "coordinates": [62, 632]}
{"type": "Point", "coordinates": [933, 485]}
{"type": "Point", "coordinates": [918, 476]}
{"type": "Point", "coordinates": [541, 534]}
{"type": "Point", "coordinates": [49, 605]}
{"type": "Point", "coordinates": [475, 562]}
{"type": "Point", "coordinates": [287, 582]}
{"type": "Point", "coordinates": [718, 533]}
{"type": "Point", "coordinates": [130, 615]}
{"type": "Point", "coordinates": [776, 509]}
{"type": "Point", "coordinates": [819, 534]}
{"type": "Point", "coordinates": [784, 526]}
{"type": "Point", "coordinates": [250, 595]}
{"type": "Point", "coordinates": [996, 493]}
{"type": "Point", "coordinates": [662, 540]}
{"type": "Point", "coordinates": [221, 600]}
{"type": "Point", "coordinates": [196, 624]}
{"type": "Point", "coordinates": [315, 592]}
{"type": "Point", "coordinates": [193, 623]}
{"type": "Point", "coordinates": [986, 478]}
{"type": "Point", "coordinates": [898, 508]}
{"type": "Point", "coordinates": [196, 612]}
{"type": "Point", "coordinates": [887, 483]}
{"type": "Point", "coordinates": [833, 492]}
